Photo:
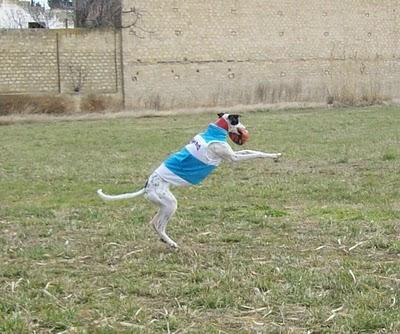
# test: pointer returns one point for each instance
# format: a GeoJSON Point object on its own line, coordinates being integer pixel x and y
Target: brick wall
{"type": "Point", "coordinates": [71, 62]}
{"type": "Point", "coordinates": [28, 62]}
{"type": "Point", "coordinates": [89, 60]}
{"type": "Point", "coordinates": [189, 53]}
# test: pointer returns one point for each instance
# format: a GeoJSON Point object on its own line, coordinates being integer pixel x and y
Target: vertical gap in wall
{"type": "Point", "coordinates": [121, 59]}
{"type": "Point", "coordinates": [58, 63]}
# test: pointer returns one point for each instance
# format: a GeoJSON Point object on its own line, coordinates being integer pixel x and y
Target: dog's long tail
{"type": "Point", "coordinates": [106, 197]}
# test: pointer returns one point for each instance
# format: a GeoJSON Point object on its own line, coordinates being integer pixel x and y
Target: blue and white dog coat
{"type": "Point", "coordinates": [191, 165]}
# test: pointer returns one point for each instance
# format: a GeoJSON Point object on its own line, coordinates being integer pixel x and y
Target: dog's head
{"type": "Point", "coordinates": [231, 123]}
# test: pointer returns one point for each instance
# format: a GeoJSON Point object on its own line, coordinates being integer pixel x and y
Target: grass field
{"type": "Point", "coordinates": [307, 245]}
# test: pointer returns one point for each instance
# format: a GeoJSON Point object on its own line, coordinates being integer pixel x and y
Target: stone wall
{"type": "Point", "coordinates": [89, 61]}
{"type": "Point", "coordinates": [189, 53]}
{"type": "Point", "coordinates": [28, 62]}
{"type": "Point", "coordinates": [70, 62]}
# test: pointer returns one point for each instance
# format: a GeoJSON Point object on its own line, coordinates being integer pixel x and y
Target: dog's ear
{"type": "Point", "coordinates": [234, 119]}
{"type": "Point", "coordinates": [221, 114]}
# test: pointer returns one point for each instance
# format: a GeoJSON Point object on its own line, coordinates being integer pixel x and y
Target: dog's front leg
{"type": "Point", "coordinates": [256, 154]}
{"type": "Point", "coordinates": [225, 152]}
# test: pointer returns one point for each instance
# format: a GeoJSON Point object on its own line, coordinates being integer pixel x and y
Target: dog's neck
{"type": "Point", "coordinates": [222, 123]}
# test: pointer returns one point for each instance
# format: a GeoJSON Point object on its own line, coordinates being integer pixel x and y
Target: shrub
{"type": "Point", "coordinates": [31, 104]}
{"type": "Point", "coordinates": [93, 103]}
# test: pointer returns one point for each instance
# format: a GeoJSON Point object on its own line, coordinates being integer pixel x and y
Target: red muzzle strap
{"type": "Point", "coordinates": [222, 123]}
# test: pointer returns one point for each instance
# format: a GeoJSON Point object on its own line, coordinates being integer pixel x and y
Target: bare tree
{"type": "Point", "coordinates": [16, 18]}
{"type": "Point", "coordinates": [98, 13]}
{"type": "Point", "coordinates": [60, 4]}
{"type": "Point", "coordinates": [24, 15]}
{"type": "Point", "coordinates": [107, 13]}
{"type": "Point", "coordinates": [86, 13]}
{"type": "Point", "coordinates": [40, 14]}
{"type": "Point", "coordinates": [34, 15]}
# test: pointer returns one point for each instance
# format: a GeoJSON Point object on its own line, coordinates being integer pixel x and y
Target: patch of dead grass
{"type": "Point", "coordinates": [32, 104]}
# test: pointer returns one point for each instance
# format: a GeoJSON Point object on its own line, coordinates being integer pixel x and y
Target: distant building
{"type": "Point", "coordinates": [17, 14]}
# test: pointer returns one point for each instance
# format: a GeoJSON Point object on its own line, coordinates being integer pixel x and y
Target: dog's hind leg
{"type": "Point", "coordinates": [157, 191]}
{"type": "Point", "coordinates": [167, 210]}
{"type": "Point", "coordinates": [161, 219]}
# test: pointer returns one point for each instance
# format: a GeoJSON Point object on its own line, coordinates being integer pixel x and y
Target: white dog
{"type": "Point", "coordinates": [190, 166]}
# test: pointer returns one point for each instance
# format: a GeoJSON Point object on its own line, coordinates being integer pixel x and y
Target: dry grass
{"type": "Point", "coordinates": [11, 105]}
{"type": "Point", "coordinates": [356, 83]}
{"type": "Point", "coordinates": [32, 104]}
{"type": "Point", "coordinates": [94, 103]}
{"type": "Point", "coordinates": [239, 109]}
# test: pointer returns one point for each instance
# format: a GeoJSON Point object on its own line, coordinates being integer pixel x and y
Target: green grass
{"type": "Point", "coordinates": [307, 245]}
